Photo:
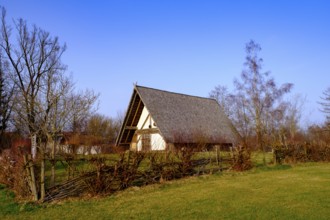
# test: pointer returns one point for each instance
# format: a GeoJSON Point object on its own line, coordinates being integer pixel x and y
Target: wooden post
{"type": "Point", "coordinates": [42, 179]}
{"type": "Point", "coordinates": [128, 157]}
{"type": "Point", "coordinates": [217, 154]}
{"type": "Point", "coordinates": [53, 163]}
{"type": "Point", "coordinates": [220, 159]}
{"type": "Point", "coordinates": [69, 169]}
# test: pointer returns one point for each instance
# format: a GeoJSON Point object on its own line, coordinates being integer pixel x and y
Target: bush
{"type": "Point", "coordinates": [12, 172]}
{"type": "Point", "coordinates": [241, 159]}
{"type": "Point", "coordinates": [302, 153]}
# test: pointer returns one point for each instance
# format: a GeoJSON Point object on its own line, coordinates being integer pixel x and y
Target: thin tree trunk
{"type": "Point", "coordinates": [34, 185]}
{"type": "Point", "coordinates": [34, 146]}
{"type": "Point", "coordinates": [260, 141]}
{"type": "Point", "coordinates": [31, 177]}
{"type": "Point", "coordinates": [53, 163]}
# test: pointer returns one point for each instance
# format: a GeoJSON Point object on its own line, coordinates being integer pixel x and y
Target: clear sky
{"type": "Point", "coordinates": [185, 46]}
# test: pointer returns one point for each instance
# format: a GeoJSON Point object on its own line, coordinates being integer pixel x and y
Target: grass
{"type": "Point", "coordinates": [278, 192]}
{"type": "Point", "coordinates": [7, 204]}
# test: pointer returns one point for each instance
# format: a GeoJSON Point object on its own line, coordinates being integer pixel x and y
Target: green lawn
{"type": "Point", "coordinates": [281, 192]}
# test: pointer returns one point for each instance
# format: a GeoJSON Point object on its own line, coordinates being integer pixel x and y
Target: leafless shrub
{"type": "Point", "coordinates": [116, 177]}
{"type": "Point", "coordinates": [241, 159]}
{"type": "Point", "coordinates": [12, 172]}
{"type": "Point", "coordinates": [305, 152]}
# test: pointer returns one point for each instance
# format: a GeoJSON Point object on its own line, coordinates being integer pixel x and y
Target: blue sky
{"type": "Point", "coordinates": [185, 46]}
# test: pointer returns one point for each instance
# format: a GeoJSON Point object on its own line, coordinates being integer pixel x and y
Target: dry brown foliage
{"type": "Point", "coordinates": [12, 172]}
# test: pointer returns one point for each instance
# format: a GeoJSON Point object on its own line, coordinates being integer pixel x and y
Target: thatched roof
{"type": "Point", "coordinates": [180, 118]}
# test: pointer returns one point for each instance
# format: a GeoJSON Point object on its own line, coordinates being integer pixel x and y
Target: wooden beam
{"type": "Point", "coordinates": [145, 121]}
{"type": "Point", "coordinates": [127, 117]}
{"type": "Point", "coordinates": [137, 110]}
{"type": "Point", "coordinates": [131, 127]}
{"type": "Point", "coordinates": [128, 134]}
{"type": "Point", "coordinates": [148, 131]}
{"type": "Point", "coordinates": [131, 107]}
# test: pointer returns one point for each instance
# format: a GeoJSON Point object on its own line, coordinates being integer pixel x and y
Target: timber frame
{"type": "Point", "coordinates": [132, 118]}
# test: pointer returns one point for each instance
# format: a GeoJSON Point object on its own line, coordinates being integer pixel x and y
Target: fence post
{"type": "Point", "coordinates": [42, 179]}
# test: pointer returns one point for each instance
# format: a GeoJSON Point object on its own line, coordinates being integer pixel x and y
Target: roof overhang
{"type": "Point", "coordinates": [131, 120]}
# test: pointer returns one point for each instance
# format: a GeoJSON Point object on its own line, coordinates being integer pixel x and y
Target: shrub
{"type": "Point", "coordinates": [12, 172]}
{"type": "Point", "coordinates": [302, 153]}
{"type": "Point", "coordinates": [241, 159]}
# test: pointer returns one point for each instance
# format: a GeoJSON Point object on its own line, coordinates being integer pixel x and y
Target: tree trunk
{"type": "Point", "coordinates": [53, 162]}
{"type": "Point", "coordinates": [42, 149]}
{"type": "Point", "coordinates": [31, 177]}
{"type": "Point", "coordinates": [34, 146]}
{"type": "Point", "coordinates": [260, 139]}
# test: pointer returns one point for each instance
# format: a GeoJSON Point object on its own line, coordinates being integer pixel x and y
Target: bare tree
{"type": "Point", "coordinates": [32, 58]}
{"type": "Point", "coordinates": [235, 107]}
{"type": "Point", "coordinates": [103, 128]}
{"type": "Point", "coordinates": [256, 99]}
{"type": "Point", "coordinates": [45, 101]}
{"type": "Point", "coordinates": [260, 92]}
{"type": "Point", "coordinates": [292, 115]}
{"type": "Point", "coordinates": [6, 102]}
{"type": "Point", "coordinates": [60, 107]}
{"type": "Point", "coordinates": [223, 97]}
{"type": "Point", "coordinates": [325, 104]}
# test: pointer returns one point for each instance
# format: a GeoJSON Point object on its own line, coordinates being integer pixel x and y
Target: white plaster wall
{"type": "Point", "coordinates": [81, 149]}
{"type": "Point", "coordinates": [157, 141]}
{"type": "Point", "coordinates": [143, 118]}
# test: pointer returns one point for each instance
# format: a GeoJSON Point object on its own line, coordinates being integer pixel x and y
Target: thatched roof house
{"type": "Point", "coordinates": [157, 120]}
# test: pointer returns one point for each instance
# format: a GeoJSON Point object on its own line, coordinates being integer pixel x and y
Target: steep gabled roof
{"type": "Point", "coordinates": [180, 118]}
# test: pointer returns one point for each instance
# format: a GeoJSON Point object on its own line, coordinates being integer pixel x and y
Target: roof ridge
{"type": "Point", "coordinates": [176, 93]}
